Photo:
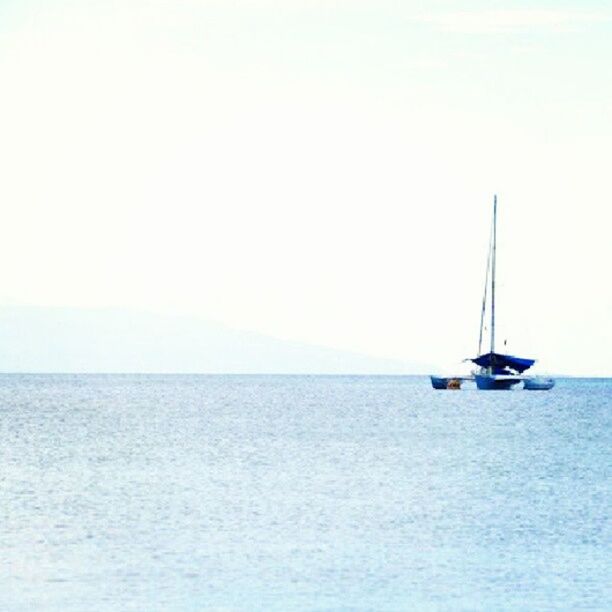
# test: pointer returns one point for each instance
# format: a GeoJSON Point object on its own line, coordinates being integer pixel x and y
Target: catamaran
{"type": "Point", "coordinates": [495, 370]}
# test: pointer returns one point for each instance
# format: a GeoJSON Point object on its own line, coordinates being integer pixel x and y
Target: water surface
{"type": "Point", "coordinates": [143, 492]}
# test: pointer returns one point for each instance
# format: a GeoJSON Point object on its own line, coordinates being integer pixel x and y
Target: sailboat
{"type": "Point", "coordinates": [496, 370]}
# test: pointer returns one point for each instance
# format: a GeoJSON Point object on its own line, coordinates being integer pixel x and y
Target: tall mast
{"type": "Point", "coordinates": [493, 274]}
{"type": "Point", "coordinates": [486, 292]}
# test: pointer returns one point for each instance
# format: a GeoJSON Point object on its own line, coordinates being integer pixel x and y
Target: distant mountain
{"type": "Point", "coordinates": [34, 339]}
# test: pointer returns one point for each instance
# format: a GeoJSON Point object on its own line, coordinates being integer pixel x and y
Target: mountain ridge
{"type": "Point", "coordinates": [114, 340]}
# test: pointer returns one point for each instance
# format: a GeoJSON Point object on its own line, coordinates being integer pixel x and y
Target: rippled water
{"type": "Point", "coordinates": [301, 492]}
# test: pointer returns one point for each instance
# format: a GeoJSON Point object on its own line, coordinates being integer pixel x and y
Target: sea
{"type": "Point", "coordinates": [281, 493]}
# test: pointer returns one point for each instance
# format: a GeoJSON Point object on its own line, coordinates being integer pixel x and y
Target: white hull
{"type": "Point", "coordinates": [539, 383]}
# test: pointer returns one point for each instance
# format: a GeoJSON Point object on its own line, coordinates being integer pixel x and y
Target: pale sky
{"type": "Point", "coordinates": [320, 171]}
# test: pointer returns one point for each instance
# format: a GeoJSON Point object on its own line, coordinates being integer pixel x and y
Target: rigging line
{"type": "Point", "coordinates": [484, 299]}
{"type": "Point", "coordinates": [493, 266]}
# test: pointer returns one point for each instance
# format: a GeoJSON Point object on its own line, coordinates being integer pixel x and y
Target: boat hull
{"type": "Point", "coordinates": [539, 384]}
{"type": "Point", "coordinates": [495, 383]}
{"type": "Point", "coordinates": [440, 382]}
{"type": "Point", "coordinates": [437, 382]}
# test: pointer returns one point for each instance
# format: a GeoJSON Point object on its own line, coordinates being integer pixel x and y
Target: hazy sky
{"type": "Point", "coordinates": [320, 171]}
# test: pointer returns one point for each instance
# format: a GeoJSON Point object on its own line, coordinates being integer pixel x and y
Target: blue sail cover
{"type": "Point", "coordinates": [501, 363]}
